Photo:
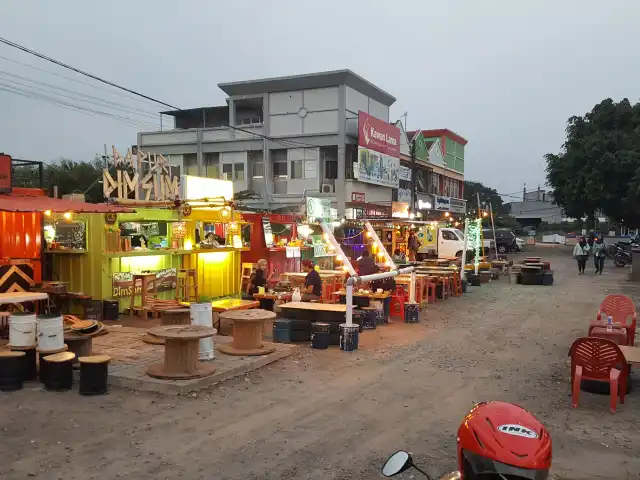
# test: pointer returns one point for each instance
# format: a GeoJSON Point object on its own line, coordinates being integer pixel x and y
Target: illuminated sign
{"type": "Point", "coordinates": [202, 188]}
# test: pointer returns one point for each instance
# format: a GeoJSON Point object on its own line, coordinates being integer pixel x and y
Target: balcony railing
{"type": "Point", "coordinates": [209, 135]}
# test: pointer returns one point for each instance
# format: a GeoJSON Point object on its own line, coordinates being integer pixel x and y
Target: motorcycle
{"type": "Point", "coordinates": [401, 461]}
{"type": "Point", "coordinates": [622, 258]}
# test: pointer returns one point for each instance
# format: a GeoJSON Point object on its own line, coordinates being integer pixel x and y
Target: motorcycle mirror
{"type": "Point", "coordinates": [397, 463]}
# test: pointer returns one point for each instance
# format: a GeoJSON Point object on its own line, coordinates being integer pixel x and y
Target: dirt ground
{"type": "Point", "coordinates": [331, 414]}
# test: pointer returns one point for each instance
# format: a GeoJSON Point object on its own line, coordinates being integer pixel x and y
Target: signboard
{"type": "Point", "coordinates": [427, 236]}
{"type": "Point", "coordinates": [425, 202]}
{"type": "Point", "coordinates": [199, 188]}
{"type": "Point", "coordinates": [123, 282]}
{"type": "Point", "coordinates": [442, 203]}
{"type": "Point", "coordinates": [399, 210]}
{"type": "Point", "coordinates": [378, 135]}
{"type": "Point", "coordinates": [5, 174]}
{"type": "Point", "coordinates": [318, 208]}
{"type": "Point", "coordinates": [377, 168]}
{"type": "Point", "coordinates": [268, 234]}
{"type": "Point", "coordinates": [145, 176]}
{"type": "Point", "coordinates": [357, 197]}
{"type": "Point", "coordinates": [404, 195]}
{"type": "Point", "coordinates": [292, 252]}
{"type": "Point", "coordinates": [404, 173]}
{"type": "Point", "coordinates": [322, 250]}
{"type": "Point", "coordinates": [458, 205]}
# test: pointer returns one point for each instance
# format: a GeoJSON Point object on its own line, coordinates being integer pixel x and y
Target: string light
{"type": "Point", "coordinates": [67, 215]}
{"type": "Point", "coordinates": [47, 213]}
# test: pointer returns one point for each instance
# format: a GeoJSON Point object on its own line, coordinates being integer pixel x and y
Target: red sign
{"type": "Point", "coordinates": [378, 135]}
{"type": "Point", "coordinates": [5, 174]}
{"type": "Point", "coordinates": [357, 197]}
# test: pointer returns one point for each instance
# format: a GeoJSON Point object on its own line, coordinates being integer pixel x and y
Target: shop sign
{"type": "Point", "coordinates": [458, 205]}
{"type": "Point", "coordinates": [145, 176]}
{"type": "Point", "coordinates": [5, 174]}
{"type": "Point", "coordinates": [355, 213]}
{"type": "Point", "coordinates": [378, 135]}
{"type": "Point", "coordinates": [404, 173]}
{"type": "Point", "coordinates": [292, 252]}
{"type": "Point", "coordinates": [404, 195]}
{"type": "Point", "coordinates": [378, 211]}
{"type": "Point", "coordinates": [377, 168]}
{"type": "Point", "coordinates": [318, 208]}
{"type": "Point", "coordinates": [399, 210]}
{"type": "Point", "coordinates": [123, 282]}
{"type": "Point", "coordinates": [202, 188]}
{"type": "Point", "coordinates": [442, 203]}
{"type": "Point", "coordinates": [268, 234]}
{"type": "Point", "coordinates": [424, 205]}
{"type": "Point", "coordinates": [321, 250]}
{"type": "Point", "coordinates": [357, 197]}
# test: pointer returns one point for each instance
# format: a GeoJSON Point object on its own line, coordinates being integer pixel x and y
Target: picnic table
{"type": "Point", "coordinates": [22, 297]}
{"type": "Point", "coordinates": [631, 354]}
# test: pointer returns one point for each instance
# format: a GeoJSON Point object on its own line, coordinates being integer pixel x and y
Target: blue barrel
{"type": "Point", "coordinates": [320, 335]}
{"type": "Point", "coordinates": [282, 330]}
{"type": "Point", "coordinates": [411, 313]}
{"type": "Point", "coordinates": [348, 337]}
{"type": "Point", "coordinates": [368, 318]}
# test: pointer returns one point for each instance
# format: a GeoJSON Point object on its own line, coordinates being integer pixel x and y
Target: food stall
{"type": "Point", "coordinates": [272, 237]}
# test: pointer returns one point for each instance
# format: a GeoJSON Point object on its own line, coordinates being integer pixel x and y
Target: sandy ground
{"type": "Point", "coordinates": [337, 415]}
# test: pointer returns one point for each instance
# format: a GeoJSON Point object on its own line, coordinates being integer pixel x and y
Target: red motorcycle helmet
{"type": "Point", "coordinates": [502, 441]}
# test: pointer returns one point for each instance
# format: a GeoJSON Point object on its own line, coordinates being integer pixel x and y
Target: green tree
{"type": "Point", "coordinates": [75, 177]}
{"type": "Point", "coordinates": [487, 195]}
{"type": "Point", "coordinates": [598, 168]}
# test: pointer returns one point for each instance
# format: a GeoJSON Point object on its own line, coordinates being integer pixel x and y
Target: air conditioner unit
{"type": "Point", "coordinates": [327, 188]}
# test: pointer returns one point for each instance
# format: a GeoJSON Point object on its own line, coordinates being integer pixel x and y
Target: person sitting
{"type": "Point", "coordinates": [210, 239]}
{"type": "Point", "coordinates": [366, 264]}
{"type": "Point", "coordinates": [312, 283]}
{"type": "Point", "coordinates": [259, 277]}
{"type": "Point", "coordinates": [398, 256]}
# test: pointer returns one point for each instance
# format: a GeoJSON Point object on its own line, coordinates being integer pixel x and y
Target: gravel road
{"type": "Point", "coordinates": [337, 415]}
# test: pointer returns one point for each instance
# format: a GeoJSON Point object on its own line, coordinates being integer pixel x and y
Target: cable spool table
{"type": "Point", "coordinates": [181, 349]}
{"type": "Point", "coordinates": [174, 316]}
{"type": "Point", "coordinates": [247, 332]}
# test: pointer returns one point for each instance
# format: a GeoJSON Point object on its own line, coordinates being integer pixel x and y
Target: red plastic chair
{"type": "Point", "coordinates": [597, 359]}
{"type": "Point", "coordinates": [396, 309]}
{"type": "Point", "coordinates": [620, 307]}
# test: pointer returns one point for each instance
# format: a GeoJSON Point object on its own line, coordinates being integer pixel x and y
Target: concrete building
{"type": "Point", "coordinates": [536, 207]}
{"type": "Point", "coordinates": [287, 139]}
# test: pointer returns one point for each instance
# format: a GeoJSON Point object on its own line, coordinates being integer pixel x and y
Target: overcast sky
{"type": "Point", "coordinates": [504, 75]}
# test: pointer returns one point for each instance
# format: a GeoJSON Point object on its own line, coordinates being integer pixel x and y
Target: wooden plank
{"type": "Point", "coordinates": [631, 354]}
{"type": "Point", "coordinates": [321, 307]}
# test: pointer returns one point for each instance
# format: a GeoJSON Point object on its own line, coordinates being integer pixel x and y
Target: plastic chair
{"type": "Point", "coordinates": [620, 307]}
{"type": "Point", "coordinates": [397, 302]}
{"type": "Point", "coordinates": [597, 359]}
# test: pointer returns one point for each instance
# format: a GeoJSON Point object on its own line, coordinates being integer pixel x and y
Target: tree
{"type": "Point", "coordinates": [487, 195]}
{"type": "Point", "coordinates": [75, 177]}
{"type": "Point", "coordinates": [598, 168]}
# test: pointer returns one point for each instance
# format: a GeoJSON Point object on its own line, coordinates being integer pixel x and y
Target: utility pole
{"type": "Point", "coordinates": [405, 114]}
{"type": "Point", "coordinates": [413, 177]}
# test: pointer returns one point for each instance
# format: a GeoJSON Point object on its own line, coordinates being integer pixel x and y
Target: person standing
{"type": "Point", "coordinates": [366, 264]}
{"type": "Point", "coordinates": [581, 253]}
{"type": "Point", "coordinates": [413, 245]}
{"type": "Point", "coordinates": [599, 253]}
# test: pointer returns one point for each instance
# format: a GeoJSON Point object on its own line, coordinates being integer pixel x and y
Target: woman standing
{"type": "Point", "coordinates": [581, 253]}
{"type": "Point", "coordinates": [599, 252]}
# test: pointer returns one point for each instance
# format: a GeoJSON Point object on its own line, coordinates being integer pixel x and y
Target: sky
{"type": "Point", "coordinates": [504, 74]}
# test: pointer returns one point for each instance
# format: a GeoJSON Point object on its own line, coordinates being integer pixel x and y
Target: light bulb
{"type": "Point", "coordinates": [67, 215]}
{"type": "Point", "coordinates": [339, 258]}
{"type": "Point", "coordinates": [47, 213]}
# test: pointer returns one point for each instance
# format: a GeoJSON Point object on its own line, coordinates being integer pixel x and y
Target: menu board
{"type": "Point", "coordinates": [268, 234]}
{"type": "Point", "coordinates": [71, 236]}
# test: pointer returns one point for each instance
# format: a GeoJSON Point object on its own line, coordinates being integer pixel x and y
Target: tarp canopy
{"type": "Point", "coordinates": [37, 203]}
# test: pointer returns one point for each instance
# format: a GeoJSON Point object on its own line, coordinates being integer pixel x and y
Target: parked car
{"type": "Point", "coordinates": [505, 239]}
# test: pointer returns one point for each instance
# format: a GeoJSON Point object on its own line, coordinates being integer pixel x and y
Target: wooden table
{"type": "Point", "coordinates": [631, 354]}
{"type": "Point", "coordinates": [22, 297]}
{"type": "Point", "coordinates": [181, 349]}
{"type": "Point", "coordinates": [273, 296]}
{"type": "Point", "coordinates": [247, 332]}
{"type": "Point", "coordinates": [370, 295]}
{"type": "Point", "coordinates": [233, 304]}
{"type": "Point", "coordinates": [302, 276]}
{"type": "Point", "coordinates": [322, 307]}
{"type": "Point", "coordinates": [174, 316]}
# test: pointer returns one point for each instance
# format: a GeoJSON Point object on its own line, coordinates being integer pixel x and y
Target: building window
{"type": "Point", "coordinates": [297, 171]}
{"type": "Point", "coordinates": [238, 172]}
{"type": "Point", "coordinates": [190, 163]}
{"type": "Point", "coordinates": [280, 170]}
{"type": "Point", "coordinates": [331, 169]}
{"type": "Point", "coordinates": [211, 164]}
{"type": "Point", "coordinates": [227, 171]}
{"type": "Point", "coordinates": [258, 170]}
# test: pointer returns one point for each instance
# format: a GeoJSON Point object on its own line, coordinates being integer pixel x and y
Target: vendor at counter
{"type": "Point", "coordinates": [259, 278]}
{"type": "Point", "coordinates": [312, 283]}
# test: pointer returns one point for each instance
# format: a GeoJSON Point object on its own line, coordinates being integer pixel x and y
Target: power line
{"type": "Point", "coordinates": [81, 72]}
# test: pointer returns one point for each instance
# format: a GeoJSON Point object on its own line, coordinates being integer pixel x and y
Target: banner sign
{"type": "Point", "coordinates": [318, 208]}
{"type": "Point", "coordinates": [442, 203]}
{"type": "Point", "coordinates": [292, 252]}
{"type": "Point", "coordinates": [378, 135]}
{"type": "Point", "coordinates": [377, 168]}
{"type": "Point", "coordinates": [358, 197]}
{"type": "Point", "coordinates": [404, 173]}
{"type": "Point", "coordinates": [399, 210]}
{"type": "Point", "coordinates": [166, 279]}
{"type": "Point", "coordinates": [404, 195]}
{"type": "Point", "coordinates": [458, 205]}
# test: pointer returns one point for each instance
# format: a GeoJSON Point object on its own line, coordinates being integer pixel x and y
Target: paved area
{"type": "Point", "coordinates": [332, 414]}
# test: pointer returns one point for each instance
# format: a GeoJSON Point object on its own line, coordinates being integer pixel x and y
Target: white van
{"type": "Point", "coordinates": [443, 242]}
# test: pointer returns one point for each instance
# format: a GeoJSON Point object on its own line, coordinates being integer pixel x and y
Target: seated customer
{"type": "Point", "coordinates": [259, 277]}
{"type": "Point", "coordinates": [312, 283]}
{"type": "Point", "coordinates": [367, 264]}
{"type": "Point", "coordinates": [398, 256]}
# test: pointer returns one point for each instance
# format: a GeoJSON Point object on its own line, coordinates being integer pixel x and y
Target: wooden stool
{"type": "Point", "coordinates": [56, 371]}
{"type": "Point", "coordinates": [245, 277]}
{"type": "Point", "coordinates": [30, 362]}
{"type": "Point", "coordinates": [81, 345]}
{"type": "Point", "coordinates": [247, 332]}
{"type": "Point", "coordinates": [11, 371]}
{"type": "Point", "coordinates": [183, 289]}
{"type": "Point", "coordinates": [147, 279]}
{"type": "Point", "coordinates": [177, 316]}
{"type": "Point", "coordinates": [44, 353]}
{"type": "Point", "coordinates": [94, 372]}
{"type": "Point", "coordinates": [181, 350]}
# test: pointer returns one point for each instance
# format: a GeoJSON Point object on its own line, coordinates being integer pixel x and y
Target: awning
{"type": "Point", "coordinates": [29, 203]}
